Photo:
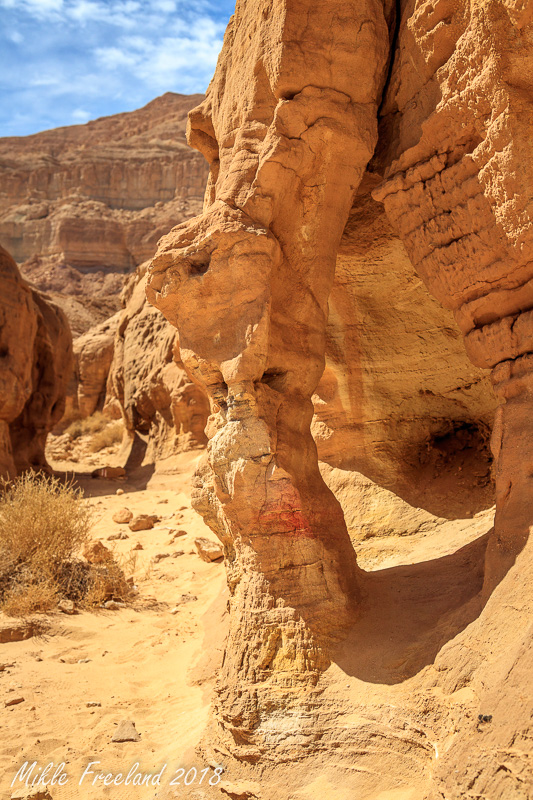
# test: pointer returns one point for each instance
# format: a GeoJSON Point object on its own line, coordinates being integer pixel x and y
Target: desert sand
{"type": "Point", "coordinates": [155, 663]}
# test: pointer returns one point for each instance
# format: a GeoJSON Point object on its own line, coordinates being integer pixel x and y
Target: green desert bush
{"type": "Point", "coordinates": [43, 525]}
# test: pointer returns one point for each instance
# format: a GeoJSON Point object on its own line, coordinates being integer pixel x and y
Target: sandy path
{"type": "Point", "coordinates": [138, 663]}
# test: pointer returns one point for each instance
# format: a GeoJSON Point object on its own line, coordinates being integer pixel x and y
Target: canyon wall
{"type": "Point", "coordinates": [147, 384]}
{"type": "Point", "coordinates": [456, 123]}
{"type": "Point", "coordinates": [81, 206]}
{"type": "Point", "coordinates": [35, 366]}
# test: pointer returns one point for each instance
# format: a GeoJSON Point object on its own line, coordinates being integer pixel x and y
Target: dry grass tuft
{"type": "Point", "coordinates": [87, 426]}
{"type": "Point", "coordinates": [108, 436]}
{"type": "Point", "coordinates": [43, 524]}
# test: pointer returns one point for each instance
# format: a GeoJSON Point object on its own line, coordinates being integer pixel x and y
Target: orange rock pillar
{"type": "Point", "coordinates": [288, 126]}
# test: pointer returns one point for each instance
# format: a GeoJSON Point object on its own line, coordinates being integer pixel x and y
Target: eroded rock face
{"type": "Point", "coordinates": [456, 125]}
{"type": "Point", "coordinates": [93, 355]}
{"type": "Point", "coordinates": [399, 393]}
{"type": "Point", "coordinates": [81, 206]}
{"type": "Point", "coordinates": [36, 362]}
{"type": "Point", "coordinates": [147, 383]}
{"type": "Point", "coordinates": [288, 128]}
{"type": "Point", "coordinates": [287, 151]}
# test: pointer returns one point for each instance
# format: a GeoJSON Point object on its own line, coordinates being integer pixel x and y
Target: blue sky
{"type": "Point", "coordinates": [64, 62]}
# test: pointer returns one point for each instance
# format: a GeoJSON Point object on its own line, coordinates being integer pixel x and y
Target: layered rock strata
{"type": "Point", "coordinates": [35, 367]}
{"type": "Point", "coordinates": [81, 206]}
{"type": "Point", "coordinates": [456, 124]}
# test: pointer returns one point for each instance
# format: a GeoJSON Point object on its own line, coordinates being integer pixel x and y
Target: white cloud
{"type": "Point", "coordinates": [81, 115]}
{"type": "Point", "coordinates": [38, 8]}
{"type": "Point", "coordinates": [87, 58]}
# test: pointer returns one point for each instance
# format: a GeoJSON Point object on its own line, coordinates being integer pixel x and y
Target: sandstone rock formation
{"type": "Point", "coordinates": [289, 126]}
{"type": "Point", "coordinates": [148, 385]}
{"type": "Point", "coordinates": [263, 257]}
{"type": "Point", "coordinates": [36, 361]}
{"type": "Point", "coordinates": [81, 206]}
{"type": "Point", "coordinates": [456, 123]}
{"type": "Point", "coordinates": [399, 400]}
{"type": "Point", "coordinates": [378, 408]}
{"type": "Point", "coordinates": [93, 355]}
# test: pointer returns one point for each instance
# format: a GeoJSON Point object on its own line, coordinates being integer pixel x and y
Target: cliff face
{"type": "Point", "coordinates": [36, 361]}
{"type": "Point", "coordinates": [148, 385]}
{"type": "Point", "coordinates": [312, 107]}
{"type": "Point", "coordinates": [81, 206]}
{"type": "Point", "coordinates": [456, 121]}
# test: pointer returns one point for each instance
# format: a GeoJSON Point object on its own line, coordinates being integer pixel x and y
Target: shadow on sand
{"type": "Point", "coordinates": [409, 612]}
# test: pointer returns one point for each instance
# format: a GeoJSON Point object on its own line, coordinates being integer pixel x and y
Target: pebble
{"type": "Point", "coordinates": [66, 607]}
{"type": "Point", "coordinates": [94, 704]}
{"type": "Point", "coordinates": [14, 701]}
{"type": "Point", "coordinates": [126, 732]}
{"type": "Point", "coordinates": [119, 491]}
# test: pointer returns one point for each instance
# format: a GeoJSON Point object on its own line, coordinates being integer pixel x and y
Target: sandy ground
{"type": "Point", "coordinates": [383, 724]}
{"type": "Point", "coordinates": [136, 663]}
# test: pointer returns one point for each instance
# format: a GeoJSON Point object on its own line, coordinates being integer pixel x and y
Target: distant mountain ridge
{"type": "Point", "coordinates": [82, 205]}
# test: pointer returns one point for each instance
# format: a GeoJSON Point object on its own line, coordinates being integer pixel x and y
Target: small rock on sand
{"type": "Point", "coordinates": [243, 790]}
{"type": "Point", "coordinates": [126, 732]}
{"type": "Point", "coordinates": [31, 793]}
{"type": "Point", "coordinates": [14, 701]}
{"type": "Point", "coordinates": [116, 536]}
{"type": "Point", "coordinates": [97, 553]}
{"type": "Point", "coordinates": [66, 607]}
{"type": "Point", "coordinates": [138, 546]}
{"type": "Point", "coordinates": [143, 522]}
{"type": "Point", "coordinates": [120, 491]}
{"type": "Point", "coordinates": [123, 516]}
{"type": "Point", "coordinates": [208, 550]}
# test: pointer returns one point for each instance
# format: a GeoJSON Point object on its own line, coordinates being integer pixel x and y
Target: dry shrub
{"type": "Point", "coordinates": [87, 426]}
{"type": "Point", "coordinates": [108, 436]}
{"type": "Point", "coordinates": [24, 599]}
{"type": "Point", "coordinates": [107, 583]}
{"type": "Point", "coordinates": [43, 523]}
